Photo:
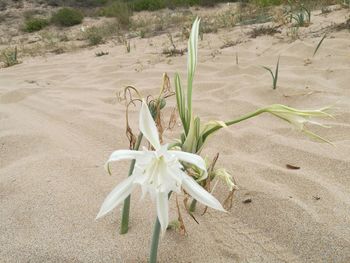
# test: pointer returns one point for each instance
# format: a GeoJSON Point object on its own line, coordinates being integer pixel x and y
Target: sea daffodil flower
{"type": "Point", "coordinates": [158, 172]}
{"type": "Point", "coordinates": [299, 118]}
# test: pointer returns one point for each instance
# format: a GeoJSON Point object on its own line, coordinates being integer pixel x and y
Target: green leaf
{"type": "Point", "coordinates": [319, 44]}
{"type": "Point", "coordinates": [180, 100]}
{"type": "Point", "coordinates": [191, 142]}
{"type": "Point", "coordinates": [192, 62]}
{"type": "Point", "coordinates": [276, 74]}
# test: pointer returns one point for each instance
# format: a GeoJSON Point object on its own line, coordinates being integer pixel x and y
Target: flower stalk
{"type": "Point", "coordinates": [124, 226]}
{"type": "Point", "coordinates": [155, 239]}
{"type": "Point", "coordinates": [155, 242]}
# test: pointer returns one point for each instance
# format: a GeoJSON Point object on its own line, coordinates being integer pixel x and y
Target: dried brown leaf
{"type": "Point", "coordinates": [292, 167]}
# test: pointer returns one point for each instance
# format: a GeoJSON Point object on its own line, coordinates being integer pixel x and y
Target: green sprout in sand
{"type": "Point", "coordinates": [274, 75]}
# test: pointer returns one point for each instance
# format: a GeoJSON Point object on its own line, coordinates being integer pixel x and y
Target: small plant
{"type": "Point", "coordinates": [307, 12]}
{"type": "Point", "coordinates": [142, 33]}
{"type": "Point", "coordinates": [35, 24]}
{"type": "Point", "coordinates": [94, 36]}
{"type": "Point", "coordinates": [127, 45]}
{"type": "Point", "coordinates": [120, 11]}
{"type": "Point", "coordinates": [10, 57]}
{"type": "Point", "coordinates": [207, 28]}
{"type": "Point", "coordinates": [274, 76]}
{"type": "Point", "coordinates": [299, 19]}
{"type": "Point", "coordinates": [319, 44]}
{"type": "Point", "coordinates": [67, 17]}
{"type": "Point", "coordinates": [101, 53]}
{"type": "Point", "coordinates": [173, 51]}
{"type": "Point", "coordinates": [300, 14]}
{"type": "Point", "coordinates": [294, 32]}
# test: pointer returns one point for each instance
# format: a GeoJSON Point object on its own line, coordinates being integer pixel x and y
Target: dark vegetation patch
{"type": "Point", "coordinates": [343, 26]}
{"type": "Point", "coordinates": [231, 44]}
{"type": "Point", "coordinates": [66, 17]}
{"type": "Point", "coordinates": [35, 24]}
{"type": "Point", "coordinates": [264, 30]}
{"type": "Point", "coordinates": [120, 10]}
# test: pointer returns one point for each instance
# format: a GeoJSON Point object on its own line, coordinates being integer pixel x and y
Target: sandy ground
{"type": "Point", "coordinates": [60, 121]}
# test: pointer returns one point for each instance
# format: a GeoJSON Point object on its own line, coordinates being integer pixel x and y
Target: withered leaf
{"type": "Point", "coordinates": [292, 167]}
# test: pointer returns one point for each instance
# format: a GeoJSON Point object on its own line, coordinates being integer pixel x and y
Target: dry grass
{"type": "Point", "coordinates": [264, 30]}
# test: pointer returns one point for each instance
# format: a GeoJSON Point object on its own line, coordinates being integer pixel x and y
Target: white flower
{"type": "Point", "coordinates": [157, 172]}
{"type": "Point", "coordinates": [299, 118]}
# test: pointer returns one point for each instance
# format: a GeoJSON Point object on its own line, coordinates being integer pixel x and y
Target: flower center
{"type": "Point", "coordinates": [155, 170]}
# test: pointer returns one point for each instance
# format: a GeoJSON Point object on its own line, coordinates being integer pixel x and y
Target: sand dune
{"type": "Point", "coordinates": [60, 120]}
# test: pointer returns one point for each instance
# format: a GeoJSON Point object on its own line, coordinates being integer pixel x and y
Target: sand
{"type": "Point", "coordinates": [60, 120]}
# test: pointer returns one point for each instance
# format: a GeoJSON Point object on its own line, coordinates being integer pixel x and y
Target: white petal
{"type": "Point", "coordinates": [126, 155]}
{"type": "Point", "coordinates": [190, 158]}
{"type": "Point", "coordinates": [162, 210]}
{"type": "Point", "coordinates": [117, 196]}
{"type": "Point", "coordinates": [319, 124]}
{"type": "Point", "coordinates": [148, 127]}
{"type": "Point", "coordinates": [200, 194]}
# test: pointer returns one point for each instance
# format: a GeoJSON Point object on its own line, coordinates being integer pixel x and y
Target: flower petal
{"type": "Point", "coordinates": [125, 155]}
{"type": "Point", "coordinates": [190, 158]}
{"type": "Point", "coordinates": [148, 127]}
{"type": "Point", "coordinates": [117, 196]}
{"type": "Point", "coordinates": [162, 210]}
{"type": "Point", "coordinates": [200, 194]}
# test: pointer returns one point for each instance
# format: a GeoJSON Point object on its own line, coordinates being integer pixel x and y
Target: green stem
{"type": "Point", "coordinates": [155, 242]}
{"type": "Point", "coordinates": [124, 226]}
{"type": "Point", "coordinates": [245, 117]}
{"type": "Point", "coordinates": [229, 123]}
{"type": "Point", "coordinates": [193, 205]}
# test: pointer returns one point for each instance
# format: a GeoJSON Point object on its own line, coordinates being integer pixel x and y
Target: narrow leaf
{"type": "Point", "coordinates": [319, 44]}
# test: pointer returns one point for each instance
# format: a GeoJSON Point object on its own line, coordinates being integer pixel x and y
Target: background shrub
{"type": "Point", "coordinates": [99, 34]}
{"type": "Point", "coordinates": [120, 10]}
{"type": "Point", "coordinates": [94, 36]}
{"type": "Point", "coordinates": [67, 17]}
{"type": "Point", "coordinates": [151, 5]}
{"type": "Point", "coordinates": [35, 24]}
{"type": "Point", "coordinates": [77, 3]}
{"type": "Point", "coordinates": [268, 2]}
{"type": "Point", "coordinates": [9, 57]}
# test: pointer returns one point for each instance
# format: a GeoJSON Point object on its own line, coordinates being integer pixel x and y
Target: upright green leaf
{"type": "Point", "coordinates": [192, 63]}
{"type": "Point", "coordinates": [319, 44]}
{"type": "Point", "coordinates": [276, 74]}
{"type": "Point", "coordinates": [180, 100]}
